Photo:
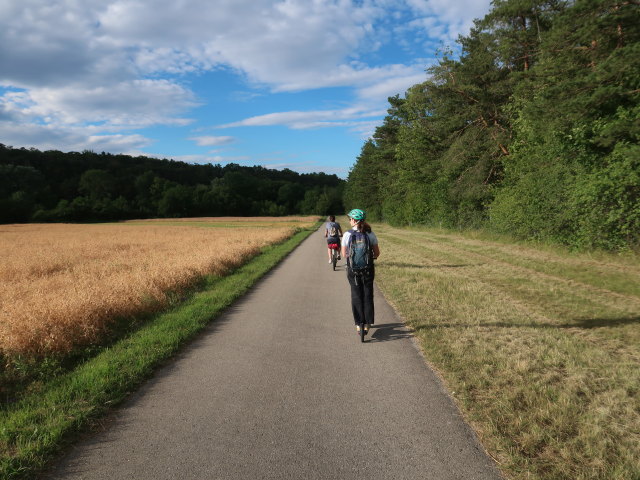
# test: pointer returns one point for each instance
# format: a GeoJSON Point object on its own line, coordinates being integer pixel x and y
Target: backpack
{"type": "Point", "coordinates": [360, 255]}
{"type": "Point", "coordinates": [333, 231]}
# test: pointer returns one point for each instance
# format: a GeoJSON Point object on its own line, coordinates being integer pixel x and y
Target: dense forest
{"type": "Point", "coordinates": [53, 186]}
{"type": "Point", "coordinates": [532, 130]}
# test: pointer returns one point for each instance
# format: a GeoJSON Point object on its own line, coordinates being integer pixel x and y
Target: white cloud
{"type": "Point", "coordinates": [364, 129]}
{"type": "Point", "coordinates": [135, 103]}
{"type": "Point", "coordinates": [88, 73]}
{"type": "Point", "coordinates": [446, 19]}
{"type": "Point", "coordinates": [349, 75]}
{"type": "Point", "coordinates": [212, 141]}
{"type": "Point", "coordinates": [306, 119]}
{"type": "Point", "coordinates": [371, 103]}
{"type": "Point", "coordinates": [447, 10]}
{"type": "Point", "coordinates": [289, 45]}
{"type": "Point", "coordinates": [48, 137]}
{"type": "Point", "coordinates": [266, 40]}
{"type": "Point", "coordinates": [390, 87]}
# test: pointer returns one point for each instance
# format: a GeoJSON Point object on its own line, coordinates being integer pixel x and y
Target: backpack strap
{"type": "Point", "coordinates": [349, 248]}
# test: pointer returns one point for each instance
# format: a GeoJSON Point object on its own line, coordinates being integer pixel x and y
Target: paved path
{"type": "Point", "coordinates": [280, 387]}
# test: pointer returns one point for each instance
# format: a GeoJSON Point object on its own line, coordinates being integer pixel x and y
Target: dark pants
{"type": "Point", "coordinates": [362, 296]}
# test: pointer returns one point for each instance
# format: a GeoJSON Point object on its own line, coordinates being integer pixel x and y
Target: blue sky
{"type": "Point", "coordinates": [283, 84]}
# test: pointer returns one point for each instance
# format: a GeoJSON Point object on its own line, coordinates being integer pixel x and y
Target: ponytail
{"type": "Point", "coordinates": [363, 227]}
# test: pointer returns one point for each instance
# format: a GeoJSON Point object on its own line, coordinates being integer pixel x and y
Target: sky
{"type": "Point", "coordinates": [298, 84]}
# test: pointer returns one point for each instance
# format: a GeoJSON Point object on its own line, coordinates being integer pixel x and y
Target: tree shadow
{"type": "Point", "coordinates": [588, 323]}
{"type": "Point", "coordinates": [444, 265]}
{"type": "Point", "coordinates": [580, 323]}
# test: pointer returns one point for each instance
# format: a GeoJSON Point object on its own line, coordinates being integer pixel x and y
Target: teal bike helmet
{"type": "Point", "coordinates": [357, 214]}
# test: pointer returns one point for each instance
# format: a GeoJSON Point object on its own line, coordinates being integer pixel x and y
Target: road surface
{"type": "Point", "coordinates": [280, 387]}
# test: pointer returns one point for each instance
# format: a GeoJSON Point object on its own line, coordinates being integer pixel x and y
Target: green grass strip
{"type": "Point", "coordinates": [37, 428]}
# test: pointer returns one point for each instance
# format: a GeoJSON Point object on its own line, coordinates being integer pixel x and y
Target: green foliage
{"type": "Point", "coordinates": [362, 190]}
{"type": "Point", "coordinates": [175, 202]}
{"type": "Point", "coordinates": [572, 177]}
{"type": "Point", "coordinates": [536, 206]}
{"type": "Point", "coordinates": [79, 187]}
{"type": "Point", "coordinates": [19, 190]}
{"type": "Point", "coordinates": [608, 202]}
{"type": "Point", "coordinates": [533, 131]}
{"type": "Point", "coordinates": [97, 184]}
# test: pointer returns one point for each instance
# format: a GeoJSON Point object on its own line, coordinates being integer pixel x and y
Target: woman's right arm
{"type": "Point", "coordinates": [343, 248]}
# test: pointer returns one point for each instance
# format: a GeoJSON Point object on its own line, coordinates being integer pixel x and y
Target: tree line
{"type": "Point", "coordinates": [54, 186]}
{"type": "Point", "coordinates": [532, 130]}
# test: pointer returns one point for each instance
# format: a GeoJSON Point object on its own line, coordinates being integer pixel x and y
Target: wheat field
{"type": "Point", "coordinates": [62, 285]}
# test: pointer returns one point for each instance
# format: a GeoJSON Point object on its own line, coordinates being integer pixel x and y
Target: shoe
{"type": "Point", "coordinates": [338, 257]}
{"type": "Point", "coordinates": [366, 329]}
{"type": "Point", "coordinates": [329, 261]}
{"type": "Point", "coordinates": [358, 329]}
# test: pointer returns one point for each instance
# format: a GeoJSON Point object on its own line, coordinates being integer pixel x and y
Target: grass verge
{"type": "Point", "coordinates": [540, 347]}
{"type": "Point", "coordinates": [36, 428]}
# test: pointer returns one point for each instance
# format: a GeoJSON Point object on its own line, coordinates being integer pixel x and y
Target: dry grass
{"type": "Point", "coordinates": [62, 285]}
{"type": "Point", "coordinates": [541, 347]}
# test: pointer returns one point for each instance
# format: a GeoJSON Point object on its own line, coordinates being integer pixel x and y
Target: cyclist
{"type": "Point", "coordinates": [332, 232]}
{"type": "Point", "coordinates": [361, 283]}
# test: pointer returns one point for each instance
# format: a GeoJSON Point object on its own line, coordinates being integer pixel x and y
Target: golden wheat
{"type": "Point", "coordinates": [270, 220]}
{"type": "Point", "coordinates": [62, 285]}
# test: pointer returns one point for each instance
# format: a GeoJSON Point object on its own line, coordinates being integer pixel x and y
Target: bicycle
{"type": "Point", "coordinates": [335, 254]}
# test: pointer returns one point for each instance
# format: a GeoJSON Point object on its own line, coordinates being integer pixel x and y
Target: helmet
{"type": "Point", "coordinates": [357, 214]}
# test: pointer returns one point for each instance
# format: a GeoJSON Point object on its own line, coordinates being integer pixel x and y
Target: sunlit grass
{"type": "Point", "coordinates": [541, 347]}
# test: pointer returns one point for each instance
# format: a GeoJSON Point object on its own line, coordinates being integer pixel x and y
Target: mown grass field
{"type": "Point", "coordinates": [540, 347]}
{"type": "Point", "coordinates": [63, 397]}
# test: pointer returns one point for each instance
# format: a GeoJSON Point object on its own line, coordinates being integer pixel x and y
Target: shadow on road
{"type": "Point", "coordinates": [389, 331]}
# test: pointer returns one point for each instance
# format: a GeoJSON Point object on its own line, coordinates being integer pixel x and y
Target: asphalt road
{"type": "Point", "coordinates": [281, 387]}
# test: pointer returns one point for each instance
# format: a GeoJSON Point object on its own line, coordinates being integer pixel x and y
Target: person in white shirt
{"type": "Point", "coordinates": [360, 277]}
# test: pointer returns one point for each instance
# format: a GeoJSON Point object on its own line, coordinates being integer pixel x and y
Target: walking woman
{"type": "Point", "coordinates": [360, 248]}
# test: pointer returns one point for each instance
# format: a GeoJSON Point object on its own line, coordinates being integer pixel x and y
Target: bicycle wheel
{"type": "Point", "coordinates": [362, 334]}
{"type": "Point", "coordinates": [334, 258]}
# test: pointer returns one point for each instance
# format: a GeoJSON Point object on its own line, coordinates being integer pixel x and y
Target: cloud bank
{"type": "Point", "coordinates": [90, 74]}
